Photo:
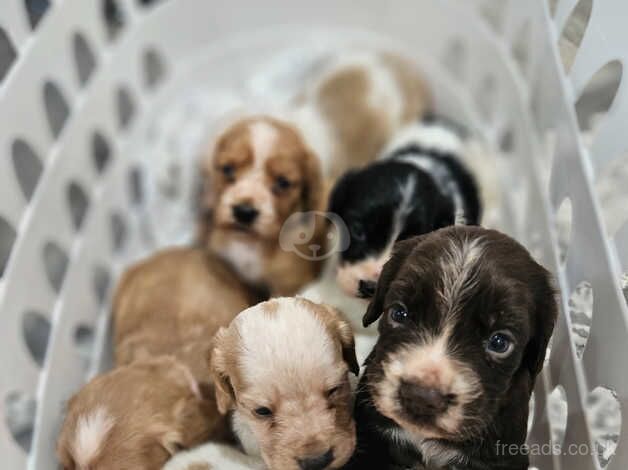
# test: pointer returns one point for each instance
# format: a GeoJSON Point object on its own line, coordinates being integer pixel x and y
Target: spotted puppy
{"type": "Point", "coordinates": [263, 168]}
{"type": "Point", "coordinates": [281, 369]}
{"type": "Point", "coordinates": [466, 319]}
{"type": "Point", "coordinates": [135, 418]}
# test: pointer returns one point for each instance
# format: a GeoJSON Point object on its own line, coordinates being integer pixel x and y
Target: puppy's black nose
{"type": "Point", "coordinates": [244, 213]}
{"type": "Point", "coordinates": [422, 400]}
{"type": "Point", "coordinates": [366, 289]}
{"type": "Point", "coordinates": [318, 462]}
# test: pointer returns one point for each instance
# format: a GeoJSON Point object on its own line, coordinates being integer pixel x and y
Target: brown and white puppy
{"type": "Point", "coordinates": [282, 369]}
{"type": "Point", "coordinates": [264, 168]}
{"type": "Point", "coordinates": [172, 304]}
{"type": "Point", "coordinates": [466, 318]}
{"type": "Point", "coordinates": [135, 418]}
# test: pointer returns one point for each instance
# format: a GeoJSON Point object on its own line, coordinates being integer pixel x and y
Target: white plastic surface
{"type": "Point", "coordinates": [500, 73]}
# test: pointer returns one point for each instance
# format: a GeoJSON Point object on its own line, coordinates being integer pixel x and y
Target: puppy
{"type": "Point", "coordinates": [466, 318]}
{"type": "Point", "coordinates": [282, 369]}
{"type": "Point", "coordinates": [135, 417]}
{"type": "Point", "coordinates": [264, 168]}
{"type": "Point", "coordinates": [419, 184]}
{"type": "Point", "coordinates": [172, 304]}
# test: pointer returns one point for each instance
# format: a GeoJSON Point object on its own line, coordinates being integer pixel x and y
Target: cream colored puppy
{"type": "Point", "coordinates": [282, 369]}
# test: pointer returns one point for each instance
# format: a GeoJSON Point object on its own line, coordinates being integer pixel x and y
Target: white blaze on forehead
{"type": "Point", "coordinates": [264, 136]}
{"type": "Point", "coordinates": [91, 431]}
{"type": "Point", "coordinates": [290, 339]}
{"type": "Point", "coordinates": [459, 271]}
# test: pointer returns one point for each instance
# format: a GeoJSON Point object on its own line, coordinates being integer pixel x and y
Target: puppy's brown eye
{"type": "Point", "coordinates": [333, 392]}
{"type": "Point", "coordinates": [263, 412]}
{"type": "Point", "coordinates": [398, 313]}
{"type": "Point", "coordinates": [282, 184]}
{"type": "Point", "coordinates": [228, 171]}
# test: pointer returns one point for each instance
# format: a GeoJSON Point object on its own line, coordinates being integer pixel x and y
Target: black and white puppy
{"type": "Point", "coordinates": [466, 319]}
{"type": "Point", "coordinates": [418, 184]}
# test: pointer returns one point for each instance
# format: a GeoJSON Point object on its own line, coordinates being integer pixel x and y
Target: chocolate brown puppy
{"type": "Point", "coordinates": [467, 315]}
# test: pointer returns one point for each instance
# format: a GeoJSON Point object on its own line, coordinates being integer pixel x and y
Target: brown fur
{"type": "Point", "coordinates": [166, 415]}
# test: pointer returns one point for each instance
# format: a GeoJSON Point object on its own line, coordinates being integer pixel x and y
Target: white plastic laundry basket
{"type": "Point", "coordinates": [88, 87]}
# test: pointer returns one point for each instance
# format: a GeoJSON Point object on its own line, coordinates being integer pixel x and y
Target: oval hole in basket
{"type": "Point", "coordinates": [27, 167]}
{"type": "Point", "coordinates": [20, 411]}
{"type": "Point", "coordinates": [119, 231]}
{"type": "Point", "coordinates": [573, 32]}
{"type": "Point", "coordinates": [604, 417]}
{"type": "Point", "coordinates": [485, 97]}
{"type": "Point", "coordinates": [83, 58]}
{"type": "Point", "coordinates": [114, 18]}
{"type": "Point", "coordinates": [57, 109]}
{"type": "Point", "coordinates": [146, 3]}
{"type": "Point", "coordinates": [78, 203]}
{"type": "Point", "coordinates": [564, 216]}
{"type": "Point", "coordinates": [598, 97]}
{"type": "Point", "coordinates": [101, 281]}
{"type": "Point", "coordinates": [7, 239]}
{"type": "Point", "coordinates": [507, 141]}
{"type": "Point", "coordinates": [36, 331]}
{"type": "Point", "coordinates": [557, 411]}
{"type": "Point", "coordinates": [493, 12]}
{"type": "Point", "coordinates": [521, 47]}
{"type": "Point", "coordinates": [36, 10]}
{"type": "Point", "coordinates": [581, 315]}
{"type": "Point", "coordinates": [126, 107]}
{"type": "Point", "coordinates": [454, 58]}
{"type": "Point", "coordinates": [610, 184]}
{"type": "Point", "coordinates": [136, 188]}
{"type": "Point", "coordinates": [55, 264]}
{"type": "Point", "coordinates": [154, 68]}
{"type": "Point", "coordinates": [84, 341]}
{"type": "Point", "coordinates": [7, 54]}
{"type": "Point", "coordinates": [101, 152]}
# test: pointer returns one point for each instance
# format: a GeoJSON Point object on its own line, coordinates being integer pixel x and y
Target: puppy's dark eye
{"type": "Point", "coordinates": [228, 171]}
{"type": "Point", "coordinates": [282, 184]}
{"type": "Point", "coordinates": [263, 412]}
{"type": "Point", "coordinates": [357, 232]}
{"type": "Point", "coordinates": [332, 392]}
{"type": "Point", "coordinates": [499, 344]}
{"type": "Point", "coordinates": [398, 313]}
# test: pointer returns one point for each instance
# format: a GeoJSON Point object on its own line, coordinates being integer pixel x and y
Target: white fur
{"type": "Point", "coordinates": [217, 456]}
{"type": "Point", "coordinates": [245, 259]}
{"type": "Point", "coordinates": [91, 431]}
{"type": "Point", "coordinates": [247, 439]}
{"type": "Point", "coordinates": [430, 136]}
{"type": "Point", "coordinates": [458, 264]}
{"type": "Point", "coordinates": [278, 341]}
{"type": "Point", "coordinates": [263, 139]}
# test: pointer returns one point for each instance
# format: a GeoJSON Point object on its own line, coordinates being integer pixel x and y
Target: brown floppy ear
{"type": "Point", "coordinates": [545, 315]}
{"type": "Point", "coordinates": [341, 329]}
{"type": "Point", "coordinates": [218, 365]}
{"type": "Point", "coordinates": [401, 251]}
{"type": "Point", "coordinates": [313, 193]}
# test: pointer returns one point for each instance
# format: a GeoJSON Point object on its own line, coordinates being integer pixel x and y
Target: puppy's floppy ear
{"type": "Point", "coordinates": [401, 251]}
{"type": "Point", "coordinates": [218, 364]}
{"type": "Point", "coordinates": [545, 315]}
{"type": "Point", "coordinates": [313, 192]}
{"type": "Point", "coordinates": [341, 329]}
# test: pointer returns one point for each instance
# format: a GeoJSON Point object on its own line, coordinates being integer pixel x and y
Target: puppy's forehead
{"type": "Point", "coordinates": [285, 336]}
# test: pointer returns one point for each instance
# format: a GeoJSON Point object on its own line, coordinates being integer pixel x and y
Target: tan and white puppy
{"type": "Point", "coordinates": [264, 168]}
{"type": "Point", "coordinates": [282, 369]}
{"type": "Point", "coordinates": [135, 418]}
